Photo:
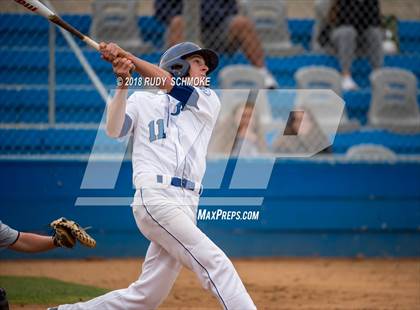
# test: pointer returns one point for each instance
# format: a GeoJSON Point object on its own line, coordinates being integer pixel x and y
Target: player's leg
{"type": "Point", "coordinates": [159, 273]}
{"type": "Point", "coordinates": [242, 33]}
{"type": "Point", "coordinates": [176, 31]}
{"type": "Point", "coordinates": [372, 38]}
{"type": "Point", "coordinates": [344, 39]}
{"type": "Point", "coordinates": [165, 222]}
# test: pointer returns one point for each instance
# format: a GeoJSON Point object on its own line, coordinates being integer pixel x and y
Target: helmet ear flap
{"type": "Point", "coordinates": [177, 67]}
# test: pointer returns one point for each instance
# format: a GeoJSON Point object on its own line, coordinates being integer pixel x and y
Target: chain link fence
{"type": "Point", "coordinates": [366, 52]}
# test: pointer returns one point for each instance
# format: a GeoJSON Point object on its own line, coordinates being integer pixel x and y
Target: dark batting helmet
{"type": "Point", "coordinates": [173, 60]}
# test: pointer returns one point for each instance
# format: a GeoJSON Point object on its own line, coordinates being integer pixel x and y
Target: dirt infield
{"type": "Point", "coordinates": [273, 283]}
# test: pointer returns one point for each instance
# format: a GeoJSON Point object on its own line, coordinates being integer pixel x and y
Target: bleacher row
{"type": "Point", "coordinates": [24, 58]}
{"type": "Point", "coordinates": [24, 45]}
{"type": "Point", "coordinates": [30, 67]}
{"type": "Point", "coordinates": [80, 141]}
{"type": "Point", "coordinates": [30, 105]}
{"type": "Point", "coordinates": [24, 30]}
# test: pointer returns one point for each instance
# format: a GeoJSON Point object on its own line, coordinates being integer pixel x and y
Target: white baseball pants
{"type": "Point", "coordinates": [166, 215]}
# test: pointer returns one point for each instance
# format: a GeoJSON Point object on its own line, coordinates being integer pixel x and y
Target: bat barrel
{"type": "Point", "coordinates": [37, 7]}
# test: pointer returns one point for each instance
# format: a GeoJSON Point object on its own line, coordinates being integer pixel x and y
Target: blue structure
{"type": "Point", "coordinates": [310, 208]}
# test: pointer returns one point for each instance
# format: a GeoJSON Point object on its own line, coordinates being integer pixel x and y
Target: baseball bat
{"type": "Point", "coordinates": [40, 9]}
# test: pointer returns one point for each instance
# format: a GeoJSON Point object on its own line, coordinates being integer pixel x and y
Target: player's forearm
{"type": "Point", "coordinates": [148, 69]}
{"type": "Point", "coordinates": [111, 52]}
{"type": "Point", "coordinates": [31, 243]}
{"type": "Point", "coordinates": [116, 113]}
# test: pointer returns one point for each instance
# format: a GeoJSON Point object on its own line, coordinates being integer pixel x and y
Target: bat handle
{"type": "Point", "coordinates": [91, 43]}
{"type": "Point", "coordinates": [95, 45]}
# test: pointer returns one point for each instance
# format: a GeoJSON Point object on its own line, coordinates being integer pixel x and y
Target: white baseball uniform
{"type": "Point", "coordinates": [171, 135]}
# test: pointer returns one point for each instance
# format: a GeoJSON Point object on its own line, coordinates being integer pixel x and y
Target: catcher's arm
{"type": "Point", "coordinates": [32, 243]}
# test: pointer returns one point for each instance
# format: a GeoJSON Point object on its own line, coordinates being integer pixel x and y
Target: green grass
{"type": "Point", "coordinates": [43, 291]}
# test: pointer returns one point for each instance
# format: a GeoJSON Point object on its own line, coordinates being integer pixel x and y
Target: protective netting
{"type": "Point", "coordinates": [367, 52]}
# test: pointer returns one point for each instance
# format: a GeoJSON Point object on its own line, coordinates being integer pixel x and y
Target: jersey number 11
{"type": "Point", "coordinates": [160, 130]}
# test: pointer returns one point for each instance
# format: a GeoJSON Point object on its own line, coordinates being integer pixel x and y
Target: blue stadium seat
{"type": "Point", "coordinates": [28, 106]}
{"type": "Point", "coordinates": [79, 106]}
{"type": "Point", "coordinates": [79, 99]}
{"type": "Point", "coordinates": [24, 67]}
{"type": "Point", "coordinates": [409, 34]}
{"type": "Point", "coordinates": [46, 141]}
{"type": "Point", "coordinates": [23, 98]}
{"type": "Point", "coordinates": [23, 22]}
{"type": "Point", "coordinates": [23, 59]}
{"type": "Point", "coordinates": [31, 106]}
{"type": "Point", "coordinates": [26, 30]}
{"type": "Point", "coordinates": [152, 31]}
{"type": "Point", "coordinates": [15, 141]}
{"type": "Point", "coordinates": [65, 141]}
{"type": "Point", "coordinates": [18, 30]}
{"type": "Point", "coordinates": [301, 31]}
{"type": "Point", "coordinates": [357, 104]}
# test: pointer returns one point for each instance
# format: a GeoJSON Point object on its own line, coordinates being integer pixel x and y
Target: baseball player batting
{"type": "Point", "coordinates": [171, 131]}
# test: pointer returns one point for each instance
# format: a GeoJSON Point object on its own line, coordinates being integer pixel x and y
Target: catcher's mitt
{"type": "Point", "coordinates": [66, 233]}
